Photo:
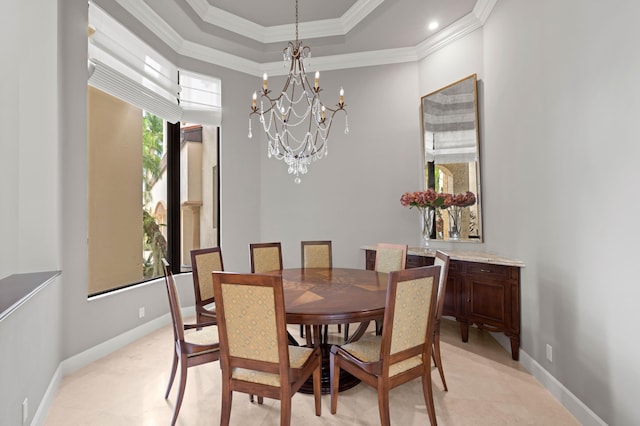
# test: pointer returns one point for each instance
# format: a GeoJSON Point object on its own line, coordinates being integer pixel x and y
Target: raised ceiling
{"type": "Point", "coordinates": [249, 35]}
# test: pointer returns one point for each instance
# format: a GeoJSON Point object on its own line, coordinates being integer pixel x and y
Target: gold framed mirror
{"type": "Point", "coordinates": [450, 144]}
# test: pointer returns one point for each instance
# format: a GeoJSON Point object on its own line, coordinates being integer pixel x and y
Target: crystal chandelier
{"type": "Point", "coordinates": [297, 123]}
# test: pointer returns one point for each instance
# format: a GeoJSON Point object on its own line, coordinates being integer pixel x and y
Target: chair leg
{"type": "Point", "coordinates": [317, 392]}
{"type": "Point", "coordinates": [428, 396]}
{"type": "Point", "coordinates": [227, 398]}
{"type": "Point", "coordinates": [301, 330]}
{"type": "Point", "coordinates": [334, 374]}
{"type": "Point", "coordinates": [173, 374]}
{"type": "Point", "coordinates": [438, 359]}
{"type": "Point", "coordinates": [346, 332]}
{"type": "Point", "coordinates": [183, 385]}
{"type": "Point", "coordinates": [285, 410]}
{"type": "Point", "coordinates": [383, 402]}
{"type": "Point", "coordinates": [309, 336]}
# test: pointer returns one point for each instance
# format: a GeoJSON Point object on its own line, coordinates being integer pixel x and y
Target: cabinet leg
{"type": "Point", "coordinates": [515, 347]}
{"type": "Point", "coordinates": [464, 331]}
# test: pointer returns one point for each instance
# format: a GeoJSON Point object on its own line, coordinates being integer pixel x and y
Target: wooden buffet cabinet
{"type": "Point", "coordinates": [482, 289]}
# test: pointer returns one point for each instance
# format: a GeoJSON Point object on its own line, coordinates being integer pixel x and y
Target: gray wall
{"type": "Point", "coordinates": [558, 105]}
{"type": "Point", "coordinates": [560, 183]}
{"type": "Point", "coordinates": [30, 201]}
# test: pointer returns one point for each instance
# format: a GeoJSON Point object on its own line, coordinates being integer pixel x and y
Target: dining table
{"type": "Point", "coordinates": [321, 296]}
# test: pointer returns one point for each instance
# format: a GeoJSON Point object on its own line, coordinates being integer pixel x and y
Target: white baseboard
{"type": "Point", "coordinates": [84, 358]}
{"type": "Point", "coordinates": [580, 411]}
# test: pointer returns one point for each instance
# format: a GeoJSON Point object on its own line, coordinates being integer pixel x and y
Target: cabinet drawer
{"type": "Point", "coordinates": [489, 271]}
{"type": "Point", "coordinates": [414, 261]}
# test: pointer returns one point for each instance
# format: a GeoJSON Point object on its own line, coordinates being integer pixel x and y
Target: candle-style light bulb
{"type": "Point", "coordinates": [341, 96]}
{"type": "Point", "coordinates": [264, 81]}
{"type": "Point", "coordinates": [255, 97]}
{"type": "Point", "coordinates": [317, 84]}
{"type": "Point", "coordinates": [322, 116]}
{"type": "Point", "coordinates": [282, 113]}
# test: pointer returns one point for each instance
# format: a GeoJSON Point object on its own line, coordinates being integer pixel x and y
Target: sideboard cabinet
{"type": "Point", "coordinates": [482, 289]}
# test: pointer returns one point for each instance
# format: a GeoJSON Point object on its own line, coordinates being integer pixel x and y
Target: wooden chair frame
{"type": "Point", "coordinates": [441, 259]}
{"type": "Point", "coordinates": [376, 373]}
{"type": "Point", "coordinates": [291, 379]}
{"type": "Point", "coordinates": [401, 247]}
{"type": "Point", "coordinates": [254, 247]}
{"type": "Point", "coordinates": [306, 244]}
{"type": "Point", "coordinates": [185, 353]}
{"type": "Point", "coordinates": [202, 278]}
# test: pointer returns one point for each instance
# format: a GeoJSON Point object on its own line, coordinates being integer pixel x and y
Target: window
{"type": "Point", "coordinates": [153, 185]}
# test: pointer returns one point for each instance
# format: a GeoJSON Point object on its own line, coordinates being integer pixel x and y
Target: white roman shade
{"type": "Point", "coordinates": [200, 99]}
{"type": "Point", "coordinates": [123, 66]}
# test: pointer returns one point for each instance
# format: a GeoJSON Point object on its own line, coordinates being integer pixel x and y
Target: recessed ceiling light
{"type": "Point", "coordinates": [433, 25]}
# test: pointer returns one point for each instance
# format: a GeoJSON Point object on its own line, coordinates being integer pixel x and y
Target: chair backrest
{"type": "Point", "coordinates": [316, 254]}
{"type": "Point", "coordinates": [265, 257]}
{"type": "Point", "coordinates": [409, 313]}
{"type": "Point", "coordinates": [203, 262]}
{"type": "Point", "coordinates": [251, 322]}
{"type": "Point", "coordinates": [441, 259]}
{"type": "Point", "coordinates": [174, 302]}
{"type": "Point", "coordinates": [390, 257]}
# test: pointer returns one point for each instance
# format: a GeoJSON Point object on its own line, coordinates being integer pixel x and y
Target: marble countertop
{"type": "Point", "coordinates": [464, 255]}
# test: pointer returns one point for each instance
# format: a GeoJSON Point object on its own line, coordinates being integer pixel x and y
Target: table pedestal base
{"type": "Point", "coordinates": [347, 381]}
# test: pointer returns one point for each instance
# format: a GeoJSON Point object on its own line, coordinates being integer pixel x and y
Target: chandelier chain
{"type": "Point", "coordinates": [305, 113]}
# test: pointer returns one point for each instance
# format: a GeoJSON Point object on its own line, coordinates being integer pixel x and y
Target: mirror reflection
{"type": "Point", "coordinates": [451, 153]}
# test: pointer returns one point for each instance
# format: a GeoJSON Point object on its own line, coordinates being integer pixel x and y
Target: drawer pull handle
{"type": "Point", "coordinates": [485, 270]}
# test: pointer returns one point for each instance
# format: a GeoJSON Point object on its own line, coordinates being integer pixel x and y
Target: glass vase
{"type": "Point", "coordinates": [427, 224]}
{"type": "Point", "coordinates": [455, 221]}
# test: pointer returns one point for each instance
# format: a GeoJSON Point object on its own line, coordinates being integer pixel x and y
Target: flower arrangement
{"type": "Point", "coordinates": [423, 199]}
{"type": "Point", "coordinates": [461, 200]}
{"type": "Point", "coordinates": [431, 198]}
{"type": "Point", "coordinates": [427, 201]}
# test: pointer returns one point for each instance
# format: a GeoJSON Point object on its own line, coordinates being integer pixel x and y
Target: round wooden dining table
{"type": "Point", "coordinates": [318, 296]}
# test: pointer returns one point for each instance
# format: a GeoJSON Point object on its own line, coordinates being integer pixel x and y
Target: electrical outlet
{"type": "Point", "coordinates": [25, 411]}
{"type": "Point", "coordinates": [141, 312]}
{"type": "Point", "coordinates": [549, 353]}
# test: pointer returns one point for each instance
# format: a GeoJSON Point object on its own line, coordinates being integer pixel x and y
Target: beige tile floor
{"type": "Point", "coordinates": [127, 387]}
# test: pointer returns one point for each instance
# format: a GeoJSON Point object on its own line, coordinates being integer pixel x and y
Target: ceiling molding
{"type": "Point", "coordinates": [463, 26]}
{"type": "Point", "coordinates": [282, 33]}
{"type": "Point", "coordinates": [162, 30]}
{"type": "Point", "coordinates": [150, 19]}
{"type": "Point", "coordinates": [346, 61]}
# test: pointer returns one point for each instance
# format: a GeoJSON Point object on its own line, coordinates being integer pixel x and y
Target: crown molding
{"type": "Point", "coordinates": [346, 61]}
{"type": "Point", "coordinates": [282, 33]}
{"type": "Point", "coordinates": [150, 19]}
{"type": "Point", "coordinates": [168, 35]}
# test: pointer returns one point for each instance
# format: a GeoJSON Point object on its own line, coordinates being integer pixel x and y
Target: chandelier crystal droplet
{"type": "Point", "coordinates": [297, 123]}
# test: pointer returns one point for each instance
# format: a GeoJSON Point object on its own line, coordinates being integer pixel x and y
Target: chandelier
{"type": "Point", "coordinates": [297, 123]}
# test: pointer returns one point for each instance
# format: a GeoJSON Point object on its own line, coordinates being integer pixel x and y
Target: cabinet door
{"type": "Point", "coordinates": [488, 289]}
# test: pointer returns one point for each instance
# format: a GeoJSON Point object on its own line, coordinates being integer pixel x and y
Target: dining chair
{"type": "Point", "coordinates": [403, 352]}
{"type": "Point", "coordinates": [255, 355]}
{"type": "Point", "coordinates": [191, 348]}
{"type": "Point", "coordinates": [203, 262]}
{"type": "Point", "coordinates": [316, 254]}
{"type": "Point", "coordinates": [389, 257]}
{"type": "Point", "coordinates": [265, 257]}
{"type": "Point", "coordinates": [441, 259]}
